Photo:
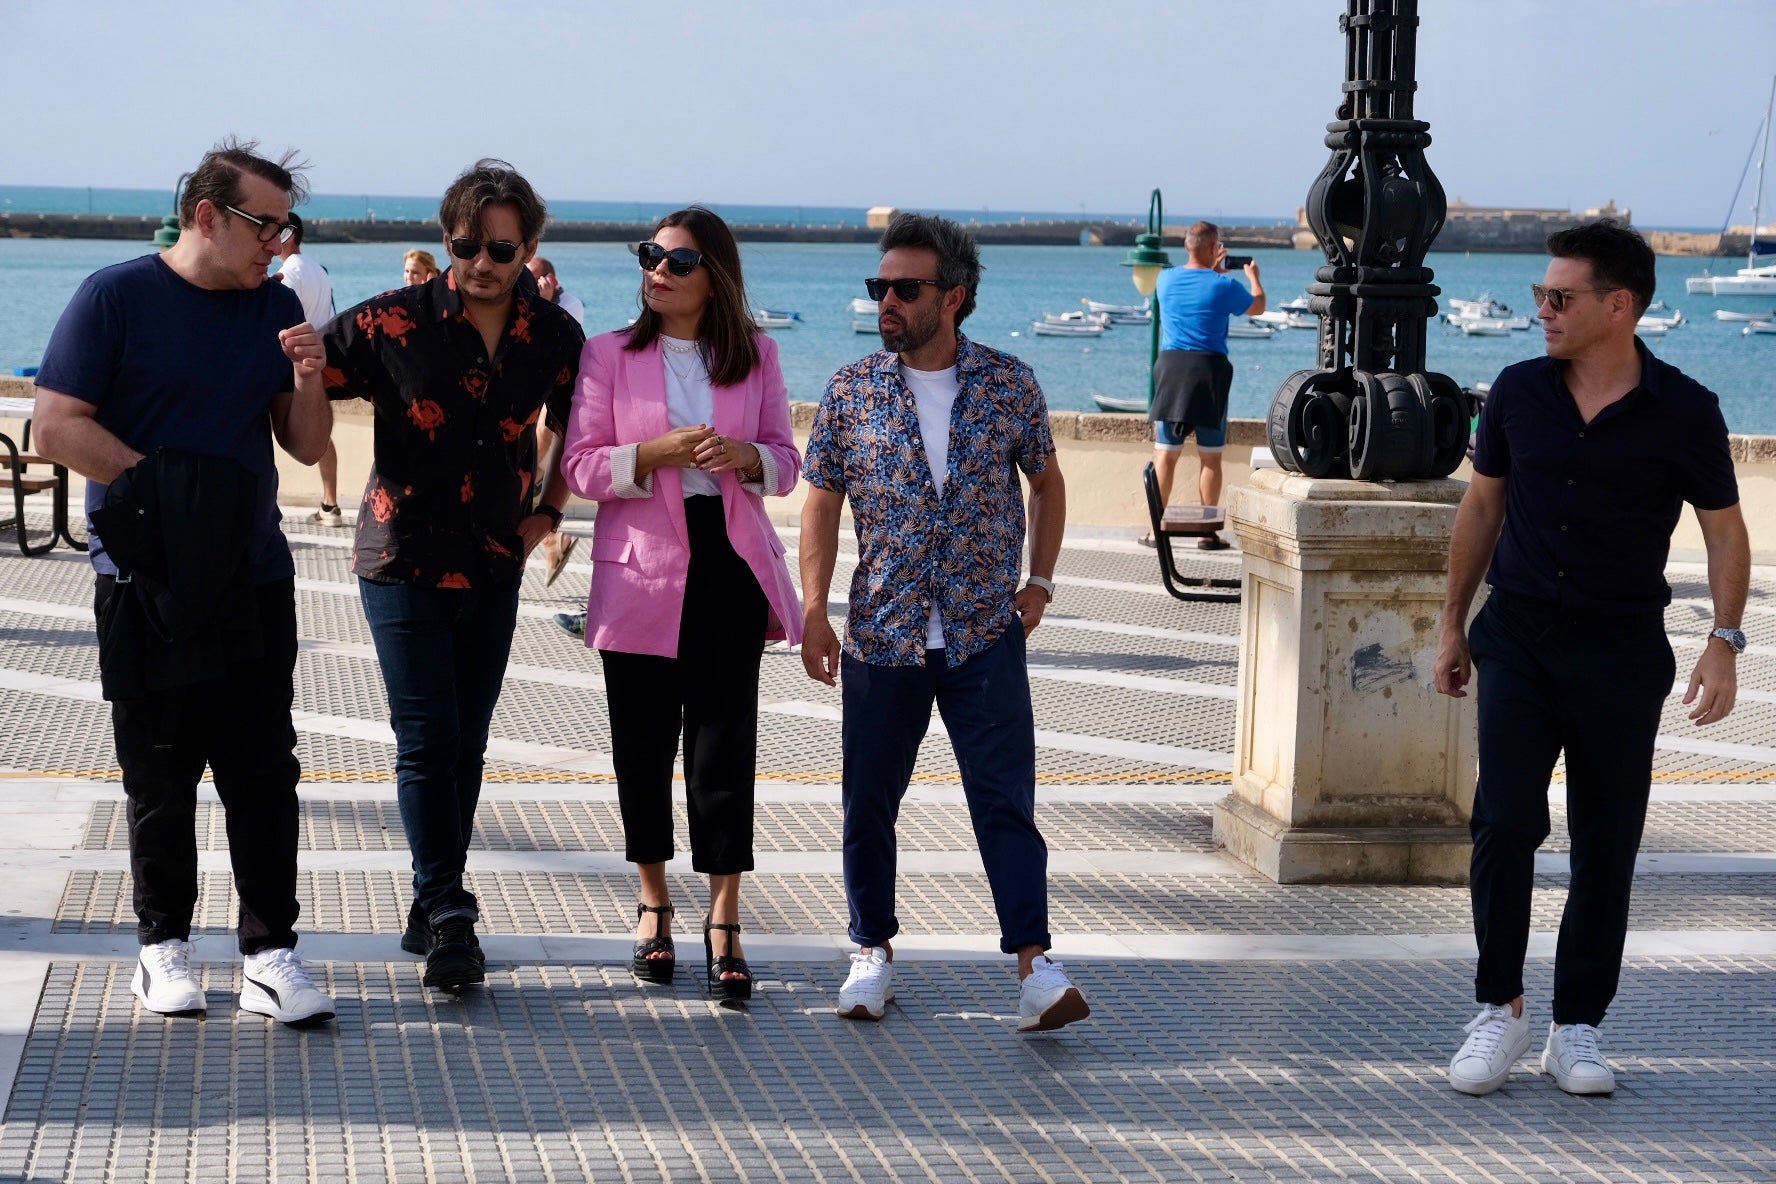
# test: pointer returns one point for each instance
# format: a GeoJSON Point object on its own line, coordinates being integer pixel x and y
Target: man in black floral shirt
{"type": "Point", "coordinates": [459, 370]}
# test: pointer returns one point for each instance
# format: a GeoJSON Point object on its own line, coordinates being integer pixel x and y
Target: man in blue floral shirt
{"type": "Point", "coordinates": [927, 438]}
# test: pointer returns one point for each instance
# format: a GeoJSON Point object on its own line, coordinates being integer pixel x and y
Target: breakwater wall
{"type": "Point", "coordinates": [1485, 235]}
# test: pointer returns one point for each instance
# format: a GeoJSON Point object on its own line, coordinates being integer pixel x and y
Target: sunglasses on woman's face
{"type": "Point", "coordinates": [499, 250]}
{"type": "Point", "coordinates": [907, 290]}
{"type": "Point", "coordinates": [679, 260]}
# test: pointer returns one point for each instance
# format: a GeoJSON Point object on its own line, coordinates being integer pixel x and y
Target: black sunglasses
{"type": "Point", "coordinates": [1556, 298]}
{"type": "Point", "coordinates": [499, 250]}
{"type": "Point", "coordinates": [679, 260]}
{"type": "Point", "coordinates": [269, 231]}
{"type": "Point", "coordinates": [907, 290]}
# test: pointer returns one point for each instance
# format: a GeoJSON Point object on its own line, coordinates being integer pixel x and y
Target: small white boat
{"type": "Point", "coordinates": [865, 324]}
{"type": "Point", "coordinates": [1670, 322]}
{"type": "Point", "coordinates": [859, 306]}
{"type": "Point", "coordinates": [1142, 310]}
{"type": "Point", "coordinates": [1077, 318]}
{"type": "Point", "coordinates": [1724, 314]}
{"type": "Point", "coordinates": [1297, 305]}
{"type": "Point", "coordinates": [1246, 329]}
{"type": "Point", "coordinates": [1275, 319]}
{"type": "Point", "coordinates": [1121, 406]}
{"type": "Point", "coordinates": [1758, 327]}
{"type": "Point", "coordinates": [1483, 326]}
{"type": "Point", "coordinates": [766, 319]}
{"type": "Point", "coordinates": [1484, 307]}
{"type": "Point", "coordinates": [1066, 329]}
{"type": "Point", "coordinates": [1654, 330]}
{"type": "Point", "coordinates": [1129, 318]}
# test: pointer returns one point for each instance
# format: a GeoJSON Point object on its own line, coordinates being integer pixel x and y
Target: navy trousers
{"type": "Point", "coordinates": [1593, 686]}
{"type": "Point", "coordinates": [443, 654]}
{"type": "Point", "coordinates": [985, 704]}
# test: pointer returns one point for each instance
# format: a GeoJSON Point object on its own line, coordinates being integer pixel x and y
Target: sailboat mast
{"type": "Point", "coordinates": [1757, 202]}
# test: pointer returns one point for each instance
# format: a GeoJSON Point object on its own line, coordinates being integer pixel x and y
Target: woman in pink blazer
{"type": "Point", "coordinates": [680, 429]}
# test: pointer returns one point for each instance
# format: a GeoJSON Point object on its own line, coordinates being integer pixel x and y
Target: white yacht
{"type": "Point", "coordinates": [1758, 276]}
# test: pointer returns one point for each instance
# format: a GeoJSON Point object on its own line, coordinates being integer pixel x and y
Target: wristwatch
{"type": "Point", "coordinates": [1732, 637]}
{"type": "Point", "coordinates": [552, 514]}
{"type": "Point", "coordinates": [1047, 586]}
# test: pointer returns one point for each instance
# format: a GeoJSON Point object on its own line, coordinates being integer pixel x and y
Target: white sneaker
{"type": "Point", "coordinates": [1048, 1000]}
{"type": "Point", "coordinates": [163, 979]}
{"type": "Point", "coordinates": [868, 988]}
{"type": "Point", "coordinates": [333, 517]}
{"type": "Point", "coordinates": [1574, 1059]}
{"type": "Point", "coordinates": [278, 985]}
{"type": "Point", "coordinates": [1496, 1041]}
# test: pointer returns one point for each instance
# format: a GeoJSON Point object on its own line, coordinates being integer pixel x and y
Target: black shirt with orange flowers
{"type": "Point", "coordinates": [455, 454]}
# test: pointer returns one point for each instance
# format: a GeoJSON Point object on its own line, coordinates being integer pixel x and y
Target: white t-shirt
{"type": "Point", "coordinates": [312, 285]}
{"type": "Point", "coordinates": [570, 304]}
{"type": "Point", "coordinates": [934, 393]}
{"type": "Point", "coordinates": [690, 400]}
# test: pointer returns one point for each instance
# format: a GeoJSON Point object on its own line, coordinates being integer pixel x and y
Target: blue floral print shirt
{"type": "Point", "coordinates": [962, 549]}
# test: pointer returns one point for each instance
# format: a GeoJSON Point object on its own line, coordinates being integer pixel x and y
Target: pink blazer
{"type": "Point", "coordinates": [640, 549]}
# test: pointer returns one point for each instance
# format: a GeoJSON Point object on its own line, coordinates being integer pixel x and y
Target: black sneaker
{"type": "Point", "coordinates": [455, 960]}
{"type": "Point", "coordinates": [417, 938]}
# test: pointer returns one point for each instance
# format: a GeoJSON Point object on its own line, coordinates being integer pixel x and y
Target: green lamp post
{"type": "Point", "coordinates": [1146, 259]}
{"type": "Point", "coordinates": [168, 234]}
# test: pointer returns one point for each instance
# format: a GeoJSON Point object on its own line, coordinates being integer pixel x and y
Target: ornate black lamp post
{"type": "Point", "coordinates": [1370, 411]}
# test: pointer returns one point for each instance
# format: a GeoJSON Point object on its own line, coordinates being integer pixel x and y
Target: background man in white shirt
{"type": "Point", "coordinates": [314, 287]}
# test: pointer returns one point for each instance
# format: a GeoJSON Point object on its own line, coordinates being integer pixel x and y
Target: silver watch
{"type": "Point", "coordinates": [1048, 586]}
{"type": "Point", "coordinates": [1732, 637]}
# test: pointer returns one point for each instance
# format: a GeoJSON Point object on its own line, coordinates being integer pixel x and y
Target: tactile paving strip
{"type": "Point", "coordinates": [508, 825]}
{"type": "Point", "coordinates": [1192, 1071]}
{"type": "Point", "coordinates": [559, 903]}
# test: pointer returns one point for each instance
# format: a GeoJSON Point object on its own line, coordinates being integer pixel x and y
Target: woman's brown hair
{"type": "Point", "coordinates": [727, 338]}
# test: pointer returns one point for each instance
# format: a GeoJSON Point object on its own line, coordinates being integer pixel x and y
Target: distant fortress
{"type": "Point", "coordinates": [1494, 229]}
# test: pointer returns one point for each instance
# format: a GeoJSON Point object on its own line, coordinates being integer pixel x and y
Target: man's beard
{"type": "Point", "coordinates": [914, 334]}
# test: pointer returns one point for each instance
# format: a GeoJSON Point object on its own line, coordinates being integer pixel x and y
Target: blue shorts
{"type": "Point", "coordinates": [1169, 437]}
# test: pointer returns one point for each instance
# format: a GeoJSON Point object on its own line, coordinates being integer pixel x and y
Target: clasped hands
{"type": "Point", "coordinates": [697, 447]}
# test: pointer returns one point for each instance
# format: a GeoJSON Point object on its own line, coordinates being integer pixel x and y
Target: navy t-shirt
{"type": "Point", "coordinates": [1590, 507]}
{"type": "Point", "coordinates": [172, 365]}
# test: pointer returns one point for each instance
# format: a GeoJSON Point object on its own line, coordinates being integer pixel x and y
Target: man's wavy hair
{"type": "Point", "coordinates": [490, 182]}
{"type": "Point", "coordinates": [958, 257]}
{"type": "Point", "coordinates": [217, 177]}
{"type": "Point", "coordinates": [1618, 256]}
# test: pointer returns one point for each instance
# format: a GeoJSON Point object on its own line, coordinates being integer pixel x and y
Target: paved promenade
{"type": "Point", "coordinates": [1241, 1031]}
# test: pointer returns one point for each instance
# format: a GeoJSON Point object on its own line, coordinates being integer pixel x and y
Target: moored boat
{"type": "Point", "coordinates": [1121, 406]}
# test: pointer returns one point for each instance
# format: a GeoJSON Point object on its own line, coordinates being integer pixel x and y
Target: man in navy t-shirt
{"type": "Point", "coordinates": [191, 351]}
{"type": "Point", "coordinates": [1585, 458]}
{"type": "Point", "coordinates": [1192, 378]}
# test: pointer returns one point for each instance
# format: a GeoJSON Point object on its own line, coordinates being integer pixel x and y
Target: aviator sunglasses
{"type": "Point", "coordinates": [679, 260]}
{"type": "Point", "coordinates": [907, 290]}
{"type": "Point", "coordinates": [1556, 298]}
{"type": "Point", "coordinates": [499, 250]}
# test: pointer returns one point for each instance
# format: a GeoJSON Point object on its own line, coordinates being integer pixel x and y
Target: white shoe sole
{"type": "Point", "coordinates": [1070, 1008]}
{"type": "Point", "coordinates": [253, 998]}
{"type": "Point", "coordinates": [194, 1004]}
{"type": "Point", "coordinates": [1484, 1086]}
{"type": "Point", "coordinates": [861, 1011]}
{"type": "Point", "coordinates": [1573, 1085]}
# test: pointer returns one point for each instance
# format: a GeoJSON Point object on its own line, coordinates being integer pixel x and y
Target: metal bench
{"type": "Point", "coordinates": [1172, 522]}
{"type": "Point", "coordinates": [15, 475]}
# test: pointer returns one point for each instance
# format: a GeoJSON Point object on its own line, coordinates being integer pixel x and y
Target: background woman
{"type": "Point", "coordinates": [680, 428]}
{"type": "Point", "coordinates": [418, 267]}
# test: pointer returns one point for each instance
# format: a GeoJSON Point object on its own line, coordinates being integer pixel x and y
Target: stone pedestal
{"type": "Point", "coordinates": [1348, 765]}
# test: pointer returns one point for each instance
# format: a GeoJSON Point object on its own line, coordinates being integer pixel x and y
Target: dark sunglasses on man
{"type": "Point", "coordinates": [269, 231]}
{"type": "Point", "coordinates": [499, 250]}
{"type": "Point", "coordinates": [907, 290]}
{"type": "Point", "coordinates": [679, 260]}
{"type": "Point", "coordinates": [1556, 298]}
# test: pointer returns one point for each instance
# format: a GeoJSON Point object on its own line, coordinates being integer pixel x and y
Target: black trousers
{"type": "Point", "coordinates": [240, 726]}
{"type": "Point", "coordinates": [710, 692]}
{"type": "Point", "coordinates": [1593, 686]}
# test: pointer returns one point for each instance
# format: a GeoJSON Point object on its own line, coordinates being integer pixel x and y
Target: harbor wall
{"type": "Point", "coordinates": [1478, 234]}
{"type": "Point", "coordinates": [1101, 456]}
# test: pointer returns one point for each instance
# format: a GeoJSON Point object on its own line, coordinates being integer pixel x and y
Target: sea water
{"type": "Point", "coordinates": [1019, 285]}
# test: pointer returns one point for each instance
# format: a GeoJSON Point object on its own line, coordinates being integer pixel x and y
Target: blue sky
{"type": "Point", "coordinates": [1035, 104]}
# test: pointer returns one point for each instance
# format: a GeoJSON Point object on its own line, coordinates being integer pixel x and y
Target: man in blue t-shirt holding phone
{"type": "Point", "coordinates": [1193, 377]}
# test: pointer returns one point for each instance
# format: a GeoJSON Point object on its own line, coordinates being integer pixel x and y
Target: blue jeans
{"type": "Point", "coordinates": [985, 704]}
{"type": "Point", "coordinates": [443, 654]}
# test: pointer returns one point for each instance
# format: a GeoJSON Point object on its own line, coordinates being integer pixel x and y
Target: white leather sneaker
{"type": "Point", "coordinates": [163, 980]}
{"type": "Point", "coordinates": [1048, 1000]}
{"type": "Point", "coordinates": [1576, 1062]}
{"type": "Point", "coordinates": [1496, 1041]}
{"type": "Point", "coordinates": [868, 988]}
{"type": "Point", "coordinates": [277, 985]}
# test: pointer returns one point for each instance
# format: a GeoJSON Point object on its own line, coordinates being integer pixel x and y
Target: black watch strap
{"type": "Point", "coordinates": [551, 513]}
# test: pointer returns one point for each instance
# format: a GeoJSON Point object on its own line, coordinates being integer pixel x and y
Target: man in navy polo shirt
{"type": "Point", "coordinates": [1583, 462]}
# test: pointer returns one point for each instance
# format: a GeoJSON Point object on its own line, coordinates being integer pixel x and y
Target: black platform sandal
{"type": "Point", "coordinates": [724, 990]}
{"type": "Point", "coordinates": [654, 969]}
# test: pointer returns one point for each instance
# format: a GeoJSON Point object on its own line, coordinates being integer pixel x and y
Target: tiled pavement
{"type": "Point", "coordinates": [1241, 1031]}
